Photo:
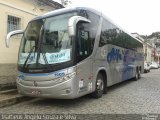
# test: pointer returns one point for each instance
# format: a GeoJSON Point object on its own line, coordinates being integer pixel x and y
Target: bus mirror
{"type": "Point", "coordinates": [10, 34]}
{"type": "Point", "coordinates": [73, 22]}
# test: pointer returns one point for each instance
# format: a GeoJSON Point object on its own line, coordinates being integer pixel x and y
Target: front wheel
{"type": "Point", "coordinates": [99, 87]}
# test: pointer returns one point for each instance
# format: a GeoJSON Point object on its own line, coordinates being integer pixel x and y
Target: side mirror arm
{"type": "Point", "coordinates": [10, 34]}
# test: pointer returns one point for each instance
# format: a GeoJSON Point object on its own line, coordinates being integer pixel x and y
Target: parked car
{"type": "Point", "coordinates": [158, 64]}
{"type": "Point", "coordinates": [154, 65]}
{"type": "Point", "coordinates": [146, 67]}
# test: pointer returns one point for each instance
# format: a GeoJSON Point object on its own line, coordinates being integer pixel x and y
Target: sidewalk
{"type": "Point", "coordinates": [11, 97]}
{"type": "Point", "coordinates": [8, 73]}
{"type": "Point", "coordinates": [8, 89]}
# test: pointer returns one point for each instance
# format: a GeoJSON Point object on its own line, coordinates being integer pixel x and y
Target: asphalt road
{"type": "Point", "coordinates": [129, 97]}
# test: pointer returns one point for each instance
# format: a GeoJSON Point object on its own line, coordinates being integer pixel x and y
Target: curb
{"type": "Point", "coordinates": [13, 100]}
{"type": "Point", "coordinates": [9, 95]}
{"type": "Point", "coordinates": [8, 86]}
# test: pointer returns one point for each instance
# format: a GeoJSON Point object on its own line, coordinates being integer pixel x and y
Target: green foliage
{"type": "Point", "coordinates": [65, 2]}
{"type": "Point", "coordinates": [155, 35]}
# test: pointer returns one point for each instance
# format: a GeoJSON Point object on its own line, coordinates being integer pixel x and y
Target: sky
{"type": "Point", "coordinates": [140, 16]}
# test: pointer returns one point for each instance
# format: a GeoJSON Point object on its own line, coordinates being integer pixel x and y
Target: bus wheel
{"type": "Point", "coordinates": [137, 75]}
{"type": "Point", "coordinates": [99, 87]}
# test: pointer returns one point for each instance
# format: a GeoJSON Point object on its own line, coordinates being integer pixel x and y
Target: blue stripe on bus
{"type": "Point", "coordinates": [43, 74]}
{"type": "Point", "coordinates": [39, 74]}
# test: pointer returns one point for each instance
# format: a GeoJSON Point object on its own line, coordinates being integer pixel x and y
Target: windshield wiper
{"type": "Point", "coordinates": [46, 61]}
{"type": "Point", "coordinates": [24, 65]}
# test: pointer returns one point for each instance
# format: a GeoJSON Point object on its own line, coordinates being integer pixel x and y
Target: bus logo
{"type": "Point", "coordinates": [114, 55]}
{"type": "Point", "coordinates": [59, 74]}
{"type": "Point", "coordinates": [21, 77]}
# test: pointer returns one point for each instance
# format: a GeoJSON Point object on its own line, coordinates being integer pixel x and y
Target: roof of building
{"type": "Point", "coordinates": [52, 3]}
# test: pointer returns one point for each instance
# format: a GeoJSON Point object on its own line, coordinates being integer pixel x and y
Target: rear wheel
{"type": "Point", "coordinates": [137, 75]}
{"type": "Point", "coordinates": [99, 87]}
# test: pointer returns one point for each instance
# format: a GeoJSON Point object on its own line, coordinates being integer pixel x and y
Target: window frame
{"type": "Point", "coordinates": [10, 25]}
{"type": "Point", "coordinates": [92, 32]}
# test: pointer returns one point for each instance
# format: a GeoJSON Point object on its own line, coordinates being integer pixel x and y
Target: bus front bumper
{"type": "Point", "coordinates": [48, 89]}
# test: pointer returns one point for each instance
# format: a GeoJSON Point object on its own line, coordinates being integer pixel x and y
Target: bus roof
{"type": "Point", "coordinates": [66, 10]}
{"type": "Point", "coordinates": [72, 9]}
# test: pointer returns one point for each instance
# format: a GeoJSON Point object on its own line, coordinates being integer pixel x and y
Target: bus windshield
{"type": "Point", "coordinates": [45, 43]}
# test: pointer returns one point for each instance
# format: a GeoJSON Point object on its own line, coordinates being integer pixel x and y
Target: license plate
{"type": "Point", "coordinates": [36, 92]}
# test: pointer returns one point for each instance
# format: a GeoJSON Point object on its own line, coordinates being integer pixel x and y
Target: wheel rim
{"type": "Point", "coordinates": [136, 75]}
{"type": "Point", "coordinates": [100, 85]}
{"type": "Point", "coordinates": [139, 73]}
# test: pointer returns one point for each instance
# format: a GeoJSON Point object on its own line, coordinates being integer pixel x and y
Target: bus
{"type": "Point", "coordinates": [72, 52]}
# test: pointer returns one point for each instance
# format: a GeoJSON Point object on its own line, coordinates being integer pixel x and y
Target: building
{"type": "Point", "coordinates": [149, 56]}
{"type": "Point", "coordinates": [15, 14]}
{"type": "Point", "coordinates": [147, 47]}
{"type": "Point", "coordinates": [155, 42]}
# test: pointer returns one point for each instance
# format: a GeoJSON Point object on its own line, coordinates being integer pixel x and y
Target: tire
{"type": "Point", "coordinates": [138, 75]}
{"type": "Point", "coordinates": [100, 87]}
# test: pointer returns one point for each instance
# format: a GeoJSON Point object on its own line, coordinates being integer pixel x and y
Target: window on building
{"type": "Point", "coordinates": [13, 23]}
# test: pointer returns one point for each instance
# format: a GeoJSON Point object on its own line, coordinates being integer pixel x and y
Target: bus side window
{"type": "Point", "coordinates": [105, 33]}
{"type": "Point", "coordinates": [90, 30]}
{"type": "Point", "coordinates": [83, 41]}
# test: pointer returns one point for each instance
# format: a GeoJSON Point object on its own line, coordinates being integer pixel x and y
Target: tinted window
{"type": "Point", "coordinates": [106, 34]}
{"type": "Point", "coordinates": [110, 34]}
{"type": "Point", "coordinates": [92, 26]}
{"type": "Point", "coordinates": [83, 41]}
{"type": "Point", "coordinates": [86, 34]}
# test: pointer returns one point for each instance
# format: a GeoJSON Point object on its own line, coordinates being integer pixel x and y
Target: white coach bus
{"type": "Point", "coordinates": [72, 52]}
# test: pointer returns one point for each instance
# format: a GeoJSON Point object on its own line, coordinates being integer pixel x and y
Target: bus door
{"type": "Point", "coordinates": [83, 52]}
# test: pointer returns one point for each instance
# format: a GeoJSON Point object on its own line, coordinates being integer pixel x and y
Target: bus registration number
{"type": "Point", "coordinates": [36, 92]}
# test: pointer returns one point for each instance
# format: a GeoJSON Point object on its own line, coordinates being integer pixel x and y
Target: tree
{"type": "Point", "coordinates": [65, 2]}
{"type": "Point", "coordinates": [155, 34]}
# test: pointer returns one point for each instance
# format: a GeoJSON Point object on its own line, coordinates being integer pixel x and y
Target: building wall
{"type": "Point", "coordinates": [10, 55]}
{"type": "Point", "coordinates": [25, 10]}
{"type": "Point", "coordinates": [149, 53]}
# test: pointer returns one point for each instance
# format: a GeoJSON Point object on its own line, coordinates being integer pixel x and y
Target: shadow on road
{"type": "Point", "coordinates": [82, 100]}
